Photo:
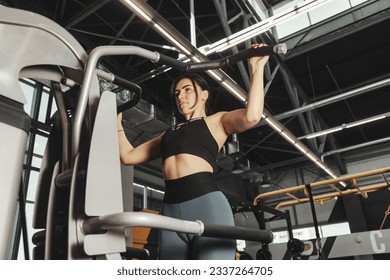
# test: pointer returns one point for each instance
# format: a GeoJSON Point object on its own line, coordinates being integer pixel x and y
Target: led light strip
{"type": "Point", "coordinates": [345, 126]}
{"type": "Point", "coordinates": [262, 26]}
{"type": "Point", "coordinates": [300, 147]}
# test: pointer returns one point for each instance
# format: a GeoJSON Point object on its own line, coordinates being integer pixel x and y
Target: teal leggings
{"type": "Point", "coordinates": [212, 208]}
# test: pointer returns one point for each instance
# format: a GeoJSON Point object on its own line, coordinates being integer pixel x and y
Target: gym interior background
{"type": "Point", "coordinates": [328, 91]}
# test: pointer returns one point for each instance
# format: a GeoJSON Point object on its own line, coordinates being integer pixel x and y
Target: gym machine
{"type": "Point", "coordinates": [79, 205]}
{"type": "Point", "coordinates": [363, 243]}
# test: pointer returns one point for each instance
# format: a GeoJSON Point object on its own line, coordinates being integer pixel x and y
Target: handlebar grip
{"type": "Point", "coordinates": [173, 62]}
{"type": "Point", "coordinates": [216, 64]}
{"type": "Point", "coordinates": [131, 87]}
{"type": "Point", "coordinates": [129, 104]}
{"type": "Point", "coordinates": [234, 232]}
{"type": "Point", "coordinates": [127, 84]}
{"type": "Point", "coordinates": [262, 51]}
{"type": "Point", "coordinates": [234, 58]}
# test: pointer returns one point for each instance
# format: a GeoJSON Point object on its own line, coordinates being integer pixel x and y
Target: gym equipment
{"type": "Point", "coordinates": [294, 246]}
{"type": "Point", "coordinates": [345, 246]}
{"type": "Point", "coordinates": [79, 207]}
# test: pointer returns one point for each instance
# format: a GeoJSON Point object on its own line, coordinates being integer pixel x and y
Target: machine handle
{"type": "Point", "coordinates": [131, 87]}
{"type": "Point", "coordinates": [223, 62]}
{"type": "Point", "coordinates": [123, 83]}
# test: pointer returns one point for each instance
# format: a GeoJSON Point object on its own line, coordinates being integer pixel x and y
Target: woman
{"type": "Point", "coordinates": [188, 152]}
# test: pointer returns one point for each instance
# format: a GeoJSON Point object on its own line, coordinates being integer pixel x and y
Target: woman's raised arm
{"type": "Point", "coordinates": [240, 120]}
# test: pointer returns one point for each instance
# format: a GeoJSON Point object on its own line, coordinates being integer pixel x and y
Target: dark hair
{"type": "Point", "coordinates": [196, 79]}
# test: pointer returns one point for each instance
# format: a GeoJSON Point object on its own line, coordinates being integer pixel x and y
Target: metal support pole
{"type": "Point", "coordinates": [313, 212]}
{"type": "Point", "coordinates": [23, 221]}
{"type": "Point", "coordinates": [192, 23]}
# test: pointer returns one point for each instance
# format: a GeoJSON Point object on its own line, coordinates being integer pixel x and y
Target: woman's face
{"type": "Point", "coordinates": [188, 99]}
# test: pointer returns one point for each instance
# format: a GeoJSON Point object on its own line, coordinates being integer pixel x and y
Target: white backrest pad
{"type": "Point", "coordinates": [104, 185]}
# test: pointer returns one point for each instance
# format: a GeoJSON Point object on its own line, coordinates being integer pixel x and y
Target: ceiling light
{"type": "Point", "coordinates": [344, 126]}
{"type": "Point", "coordinates": [266, 182]}
{"type": "Point", "coordinates": [273, 125]}
{"type": "Point", "coordinates": [170, 38]}
{"type": "Point", "coordinates": [287, 137]}
{"type": "Point", "coordinates": [300, 148]}
{"type": "Point", "coordinates": [138, 10]}
{"type": "Point", "coordinates": [263, 26]}
{"type": "Point", "coordinates": [324, 132]}
{"type": "Point", "coordinates": [214, 75]}
{"type": "Point", "coordinates": [234, 91]}
{"type": "Point", "coordinates": [367, 120]}
{"type": "Point", "coordinates": [312, 157]}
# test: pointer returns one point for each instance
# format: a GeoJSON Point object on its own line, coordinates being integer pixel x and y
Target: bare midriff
{"type": "Point", "coordinates": [181, 165]}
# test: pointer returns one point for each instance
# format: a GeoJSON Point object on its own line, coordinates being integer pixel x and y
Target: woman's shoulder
{"type": "Point", "coordinates": [215, 120]}
{"type": "Point", "coordinates": [217, 116]}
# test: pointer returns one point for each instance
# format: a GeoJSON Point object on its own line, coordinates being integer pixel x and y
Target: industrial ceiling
{"type": "Point", "coordinates": [328, 92]}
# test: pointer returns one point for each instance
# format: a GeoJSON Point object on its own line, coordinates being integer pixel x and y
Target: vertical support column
{"type": "Point", "coordinates": [127, 173]}
{"type": "Point", "coordinates": [259, 212]}
{"type": "Point", "coordinates": [355, 213]}
{"type": "Point", "coordinates": [356, 218]}
{"type": "Point", "coordinates": [314, 214]}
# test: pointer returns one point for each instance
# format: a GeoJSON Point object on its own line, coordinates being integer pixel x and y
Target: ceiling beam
{"type": "Point", "coordinates": [352, 93]}
{"type": "Point", "coordinates": [222, 13]}
{"type": "Point", "coordinates": [96, 5]}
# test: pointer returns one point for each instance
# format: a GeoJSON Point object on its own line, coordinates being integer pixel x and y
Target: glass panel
{"type": "Point", "coordinates": [284, 6]}
{"type": "Point", "coordinates": [316, 15]}
{"type": "Point", "coordinates": [43, 107]}
{"type": "Point", "coordinates": [28, 91]}
{"type": "Point", "coordinates": [53, 109]}
{"type": "Point", "coordinates": [357, 2]}
{"type": "Point", "coordinates": [32, 185]}
{"type": "Point", "coordinates": [40, 145]}
{"type": "Point", "coordinates": [258, 9]}
{"type": "Point", "coordinates": [309, 233]}
{"type": "Point", "coordinates": [36, 161]}
{"type": "Point", "coordinates": [335, 229]}
{"type": "Point", "coordinates": [21, 249]}
{"type": "Point", "coordinates": [293, 25]}
{"type": "Point", "coordinates": [30, 232]}
{"type": "Point", "coordinates": [328, 10]}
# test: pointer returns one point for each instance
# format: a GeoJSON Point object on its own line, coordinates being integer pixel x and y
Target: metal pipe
{"type": "Point", "coordinates": [65, 126]}
{"type": "Point", "coordinates": [130, 219]}
{"type": "Point", "coordinates": [322, 183]}
{"type": "Point", "coordinates": [333, 99]}
{"type": "Point", "coordinates": [378, 141]}
{"type": "Point", "coordinates": [192, 23]}
{"type": "Point", "coordinates": [145, 198]}
{"type": "Point", "coordinates": [329, 196]}
{"type": "Point", "coordinates": [93, 59]}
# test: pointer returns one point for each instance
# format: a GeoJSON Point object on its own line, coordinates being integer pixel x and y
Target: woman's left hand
{"type": "Point", "coordinates": [258, 61]}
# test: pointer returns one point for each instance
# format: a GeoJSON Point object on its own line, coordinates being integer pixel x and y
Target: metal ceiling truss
{"type": "Point", "coordinates": [91, 9]}
{"type": "Point", "coordinates": [220, 6]}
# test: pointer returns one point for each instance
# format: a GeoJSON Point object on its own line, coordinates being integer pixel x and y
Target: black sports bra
{"type": "Point", "coordinates": [192, 137]}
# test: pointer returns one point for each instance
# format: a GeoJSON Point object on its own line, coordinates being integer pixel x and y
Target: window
{"type": "Point", "coordinates": [309, 232]}
{"type": "Point", "coordinates": [38, 104]}
{"type": "Point", "coordinates": [324, 11]}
